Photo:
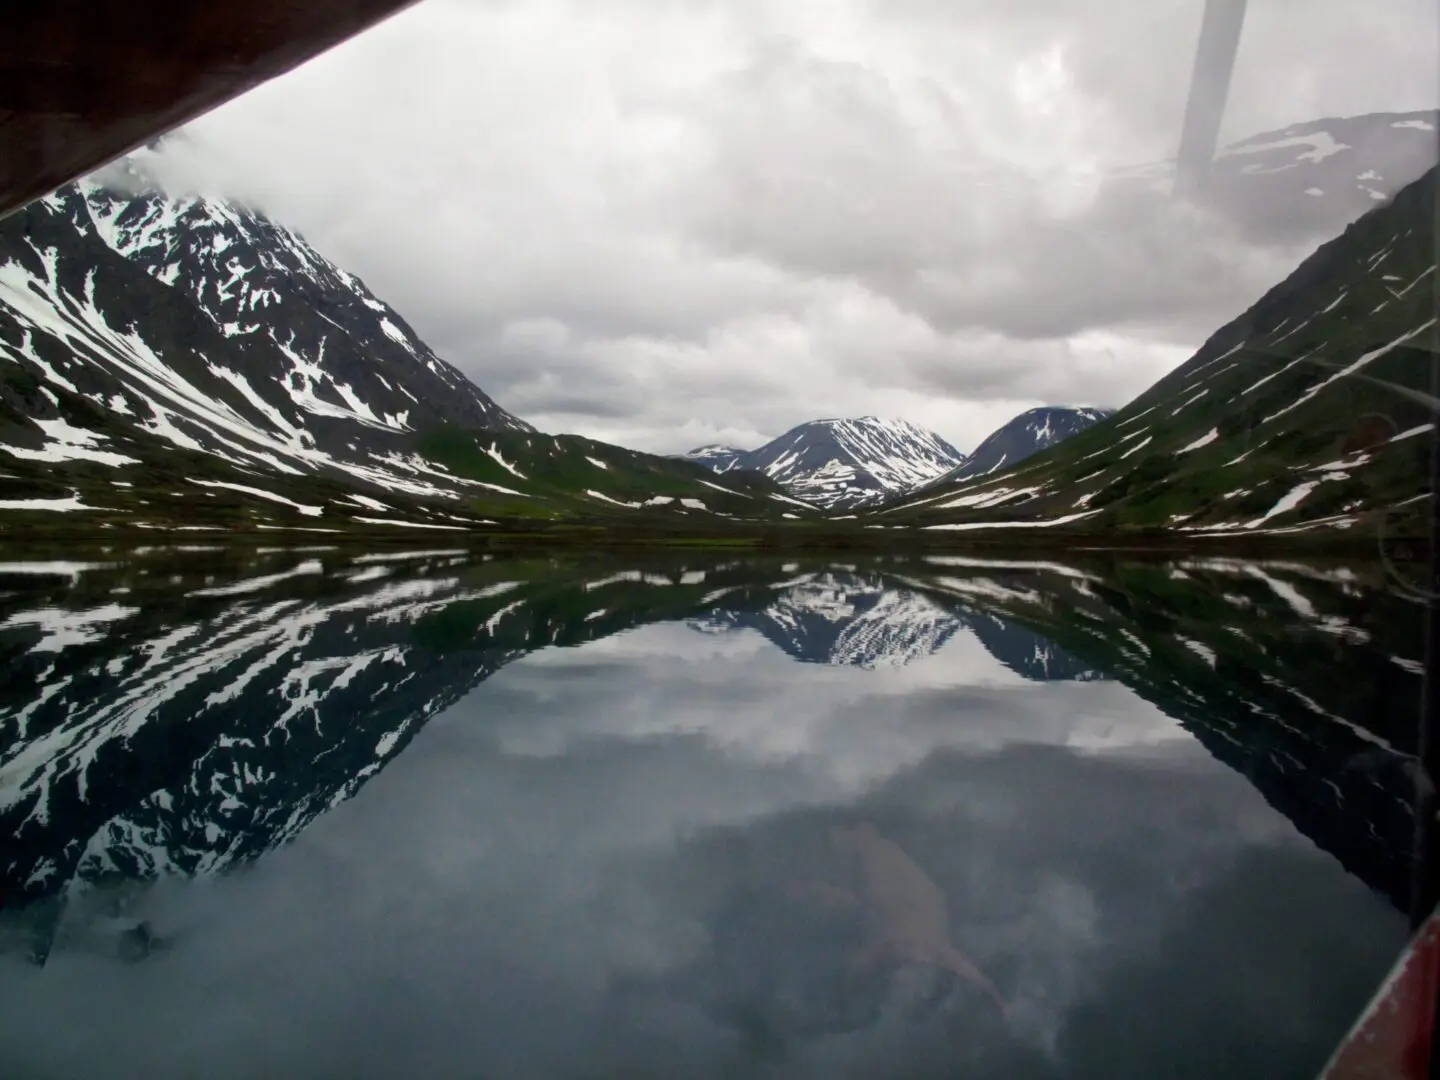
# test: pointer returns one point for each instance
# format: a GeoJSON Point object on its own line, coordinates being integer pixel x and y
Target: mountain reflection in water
{"type": "Point", "coordinates": [582, 818]}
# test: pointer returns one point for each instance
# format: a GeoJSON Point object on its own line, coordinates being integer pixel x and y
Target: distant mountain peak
{"type": "Point", "coordinates": [1029, 433]}
{"type": "Point", "coordinates": [715, 456]}
{"type": "Point", "coordinates": [843, 461]}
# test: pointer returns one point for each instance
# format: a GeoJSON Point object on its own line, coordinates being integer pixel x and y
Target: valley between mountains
{"type": "Point", "coordinates": [181, 363]}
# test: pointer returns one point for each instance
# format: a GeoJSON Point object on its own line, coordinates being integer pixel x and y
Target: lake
{"type": "Point", "coordinates": [320, 813]}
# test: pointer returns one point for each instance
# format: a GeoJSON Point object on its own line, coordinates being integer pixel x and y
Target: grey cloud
{"type": "Point", "coordinates": [1134, 258]}
{"type": "Point", "coordinates": [987, 369]}
{"type": "Point", "coordinates": [1132, 58]}
{"type": "Point", "coordinates": [542, 369]}
{"type": "Point", "coordinates": [745, 215]}
{"type": "Point", "coordinates": [589, 403]}
{"type": "Point", "coordinates": [802, 176]}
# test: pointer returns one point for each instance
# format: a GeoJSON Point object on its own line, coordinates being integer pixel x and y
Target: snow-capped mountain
{"type": "Point", "coordinates": [843, 463]}
{"type": "Point", "coordinates": [121, 321]}
{"type": "Point", "coordinates": [1027, 434]}
{"type": "Point", "coordinates": [169, 359]}
{"type": "Point", "coordinates": [1312, 410]}
{"type": "Point", "coordinates": [1310, 179]}
{"type": "Point", "coordinates": [351, 355]}
{"type": "Point", "coordinates": [720, 458]}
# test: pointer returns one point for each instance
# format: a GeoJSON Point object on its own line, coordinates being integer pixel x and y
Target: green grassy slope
{"type": "Point", "coordinates": [482, 480]}
{"type": "Point", "coordinates": [527, 474]}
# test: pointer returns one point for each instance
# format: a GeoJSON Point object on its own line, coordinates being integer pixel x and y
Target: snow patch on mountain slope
{"type": "Point", "coordinates": [69, 443]}
{"type": "Point", "coordinates": [308, 511]}
{"type": "Point", "coordinates": [1064, 519]}
{"type": "Point", "coordinates": [1319, 145]}
{"type": "Point", "coordinates": [71, 502]}
{"type": "Point", "coordinates": [1204, 440]}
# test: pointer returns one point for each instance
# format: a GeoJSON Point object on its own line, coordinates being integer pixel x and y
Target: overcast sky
{"type": "Point", "coordinates": [671, 222]}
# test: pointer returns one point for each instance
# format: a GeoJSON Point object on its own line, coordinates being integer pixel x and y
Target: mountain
{"type": "Point", "coordinates": [567, 477]}
{"type": "Point", "coordinates": [1309, 179]}
{"type": "Point", "coordinates": [349, 355]}
{"type": "Point", "coordinates": [1310, 412]}
{"type": "Point", "coordinates": [1029, 433]}
{"type": "Point", "coordinates": [720, 458]}
{"type": "Point", "coordinates": [843, 463]}
{"type": "Point", "coordinates": [177, 360]}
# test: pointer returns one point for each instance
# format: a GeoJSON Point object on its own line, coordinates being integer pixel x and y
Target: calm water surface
{"type": "Point", "coordinates": [320, 814]}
